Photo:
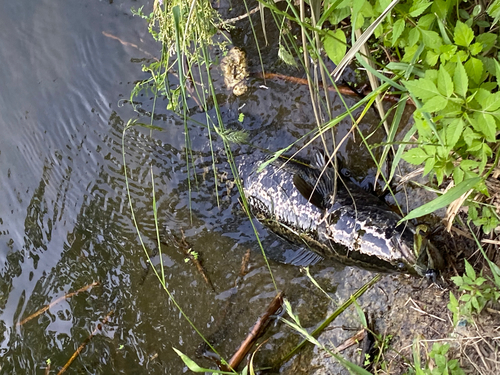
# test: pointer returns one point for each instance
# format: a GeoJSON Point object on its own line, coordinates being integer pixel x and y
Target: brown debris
{"type": "Point", "coordinates": [257, 331]}
{"type": "Point", "coordinates": [83, 344]}
{"type": "Point", "coordinates": [55, 302]}
{"type": "Point", "coordinates": [190, 254]}
{"type": "Point", "coordinates": [344, 90]}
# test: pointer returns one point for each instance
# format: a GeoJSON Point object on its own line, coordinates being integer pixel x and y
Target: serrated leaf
{"type": "Point", "coordinates": [463, 34]}
{"type": "Point", "coordinates": [445, 83]}
{"type": "Point", "coordinates": [450, 196]}
{"type": "Point", "coordinates": [435, 104]}
{"type": "Point", "coordinates": [413, 37]}
{"type": "Point", "coordinates": [397, 30]}
{"type": "Point", "coordinates": [458, 175]}
{"type": "Point", "coordinates": [460, 80]}
{"type": "Point", "coordinates": [494, 11]}
{"type": "Point", "coordinates": [491, 102]}
{"type": "Point", "coordinates": [474, 69]}
{"type": "Point", "coordinates": [423, 88]}
{"type": "Point", "coordinates": [335, 45]}
{"type": "Point", "coordinates": [485, 124]}
{"type": "Point", "coordinates": [475, 48]}
{"type": "Point", "coordinates": [415, 156]}
{"type": "Point", "coordinates": [469, 271]}
{"type": "Point", "coordinates": [487, 40]}
{"type": "Point", "coordinates": [419, 7]}
{"type": "Point", "coordinates": [431, 39]}
{"type": "Point", "coordinates": [429, 166]}
{"type": "Point", "coordinates": [454, 131]}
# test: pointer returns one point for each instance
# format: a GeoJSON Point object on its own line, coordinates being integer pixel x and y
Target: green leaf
{"type": "Point", "coordinates": [418, 7]}
{"type": "Point", "coordinates": [335, 45]}
{"type": "Point", "coordinates": [450, 196]}
{"type": "Point", "coordinates": [469, 271]}
{"type": "Point", "coordinates": [494, 11]}
{"type": "Point", "coordinates": [413, 37]}
{"type": "Point", "coordinates": [194, 367]}
{"type": "Point", "coordinates": [463, 34]}
{"type": "Point", "coordinates": [460, 80]}
{"type": "Point", "coordinates": [458, 175]}
{"type": "Point", "coordinates": [429, 166]}
{"type": "Point", "coordinates": [474, 69]}
{"type": "Point", "coordinates": [454, 131]}
{"type": "Point", "coordinates": [397, 30]}
{"type": "Point", "coordinates": [487, 40]}
{"type": "Point", "coordinates": [415, 156]}
{"type": "Point", "coordinates": [431, 39]}
{"type": "Point", "coordinates": [485, 124]}
{"type": "Point", "coordinates": [491, 102]}
{"type": "Point", "coordinates": [445, 84]}
{"type": "Point", "coordinates": [447, 52]}
{"type": "Point", "coordinates": [436, 104]}
{"type": "Point", "coordinates": [475, 48]}
{"type": "Point", "coordinates": [423, 88]}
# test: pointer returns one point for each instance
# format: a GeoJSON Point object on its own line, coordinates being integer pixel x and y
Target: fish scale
{"type": "Point", "coordinates": [295, 200]}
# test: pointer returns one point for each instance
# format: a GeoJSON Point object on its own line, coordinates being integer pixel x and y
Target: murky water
{"type": "Point", "coordinates": [64, 216]}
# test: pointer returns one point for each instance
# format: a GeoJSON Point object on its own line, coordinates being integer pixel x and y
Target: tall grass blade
{"type": "Point", "coordinates": [362, 40]}
{"type": "Point", "coordinates": [451, 195]}
{"type": "Point", "coordinates": [336, 313]}
{"type": "Point", "coordinates": [195, 368]}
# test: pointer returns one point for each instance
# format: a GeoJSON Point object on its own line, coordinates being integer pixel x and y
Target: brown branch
{"type": "Point", "coordinates": [344, 90]}
{"type": "Point", "coordinates": [56, 301]}
{"type": "Point", "coordinates": [186, 249]}
{"type": "Point", "coordinates": [83, 344]}
{"type": "Point", "coordinates": [129, 44]}
{"type": "Point", "coordinates": [359, 336]}
{"type": "Point", "coordinates": [257, 330]}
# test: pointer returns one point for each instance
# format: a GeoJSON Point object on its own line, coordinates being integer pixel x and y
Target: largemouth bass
{"type": "Point", "coordinates": [295, 200]}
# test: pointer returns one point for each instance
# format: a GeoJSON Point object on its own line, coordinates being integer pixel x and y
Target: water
{"type": "Point", "coordinates": [67, 70]}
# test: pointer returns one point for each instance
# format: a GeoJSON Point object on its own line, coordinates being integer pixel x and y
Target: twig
{"type": "Point", "coordinates": [184, 246]}
{"type": "Point", "coordinates": [56, 301]}
{"type": "Point", "coordinates": [360, 335]}
{"type": "Point", "coordinates": [344, 90]}
{"type": "Point", "coordinates": [83, 344]}
{"type": "Point", "coordinates": [255, 333]}
{"type": "Point", "coordinates": [418, 309]}
{"type": "Point", "coordinates": [128, 44]}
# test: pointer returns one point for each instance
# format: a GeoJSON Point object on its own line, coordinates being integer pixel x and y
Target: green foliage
{"type": "Point", "coordinates": [476, 292]}
{"type": "Point", "coordinates": [441, 358]}
{"type": "Point", "coordinates": [444, 365]}
{"type": "Point", "coordinates": [448, 52]}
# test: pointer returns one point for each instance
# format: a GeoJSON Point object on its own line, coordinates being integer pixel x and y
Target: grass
{"type": "Point", "coordinates": [442, 58]}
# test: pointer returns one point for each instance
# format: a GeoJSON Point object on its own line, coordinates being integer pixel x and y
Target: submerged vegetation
{"type": "Point", "coordinates": [441, 59]}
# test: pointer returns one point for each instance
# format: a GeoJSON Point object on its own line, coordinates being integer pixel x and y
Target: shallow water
{"type": "Point", "coordinates": [65, 221]}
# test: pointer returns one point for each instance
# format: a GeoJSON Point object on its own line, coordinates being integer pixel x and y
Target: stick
{"type": "Point", "coordinates": [183, 244]}
{"type": "Point", "coordinates": [344, 90]}
{"type": "Point", "coordinates": [87, 340]}
{"type": "Point", "coordinates": [255, 333]}
{"type": "Point", "coordinates": [66, 296]}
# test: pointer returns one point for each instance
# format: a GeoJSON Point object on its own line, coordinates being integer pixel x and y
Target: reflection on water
{"type": "Point", "coordinates": [64, 215]}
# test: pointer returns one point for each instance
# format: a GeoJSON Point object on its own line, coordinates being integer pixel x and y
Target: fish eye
{"type": "Point", "coordinates": [401, 266]}
{"type": "Point", "coordinates": [346, 172]}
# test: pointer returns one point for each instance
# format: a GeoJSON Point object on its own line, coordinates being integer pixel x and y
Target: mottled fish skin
{"type": "Point", "coordinates": [356, 228]}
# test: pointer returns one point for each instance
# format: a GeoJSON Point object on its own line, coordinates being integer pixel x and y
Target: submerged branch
{"type": "Point", "coordinates": [55, 302]}
{"type": "Point", "coordinates": [83, 344]}
{"type": "Point", "coordinates": [257, 331]}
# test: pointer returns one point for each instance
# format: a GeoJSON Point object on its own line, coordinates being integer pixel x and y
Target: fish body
{"type": "Point", "coordinates": [296, 201]}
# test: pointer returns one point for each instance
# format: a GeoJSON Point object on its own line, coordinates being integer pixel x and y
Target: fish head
{"type": "Point", "coordinates": [403, 244]}
{"type": "Point", "coordinates": [418, 254]}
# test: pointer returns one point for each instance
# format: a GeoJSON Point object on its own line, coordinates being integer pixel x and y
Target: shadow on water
{"type": "Point", "coordinates": [65, 220]}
